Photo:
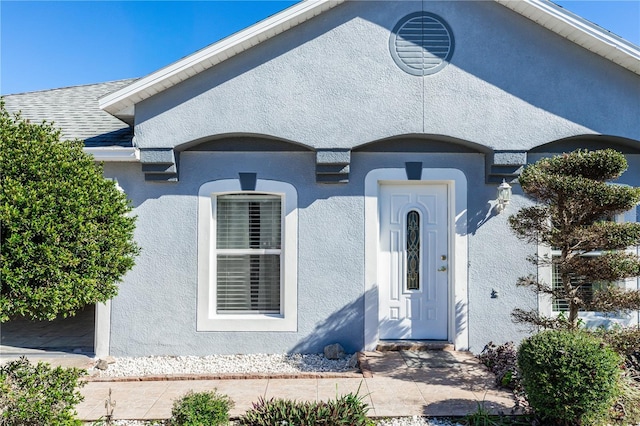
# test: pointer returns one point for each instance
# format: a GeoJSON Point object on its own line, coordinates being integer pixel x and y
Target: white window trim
{"type": "Point", "coordinates": [207, 318]}
{"type": "Point", "coordinates": [590, 318]}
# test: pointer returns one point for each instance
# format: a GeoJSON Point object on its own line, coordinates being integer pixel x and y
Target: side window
{"type": "Point", "coordinates": [554, 306]}
{"type": "Point", "coordinates": [586, 288]}
{"type": "Point", "coordinates": [247, 257]}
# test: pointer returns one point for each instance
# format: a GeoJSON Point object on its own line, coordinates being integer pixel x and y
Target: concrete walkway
{"type": "Point", "coordinates": [429, 383]}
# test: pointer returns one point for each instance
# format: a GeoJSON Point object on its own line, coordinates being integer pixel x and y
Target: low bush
{"type": "Point", "coordinates": [483, 417]}
{"type": "Point", "coordinates": [570, 377]}
{"type": "Point", "coordinates": [502, 361]}
{"type": "Point", "coordinates": [626, 410]}
{"type": "Point", "coordinates": [625, 341]}
{"type": "Point", "coordinates": [36, 395]}
{"type": "Point", "coordinates": [347, 410]}
{"type": "Point", "coordinates": [201, 408]}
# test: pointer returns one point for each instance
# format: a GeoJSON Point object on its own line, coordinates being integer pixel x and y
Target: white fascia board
{"type": "Point", "coordinates": [578, 30]}
{"type": "Point", "coordinates": [206, 58]}
{"type": "Point", "coordinates": [114, 154]}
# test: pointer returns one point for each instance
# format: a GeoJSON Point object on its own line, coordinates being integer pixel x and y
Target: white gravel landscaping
{"type": "Point", "coordinates": [219, 364]}
{"type": "Point", "coordinates": [253, 363]}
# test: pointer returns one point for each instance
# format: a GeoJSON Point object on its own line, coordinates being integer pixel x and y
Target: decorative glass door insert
{"type": "Point", "coordinates": [413, 250]}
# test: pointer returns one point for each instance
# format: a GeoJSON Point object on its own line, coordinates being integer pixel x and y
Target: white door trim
{"type": "Point", "coordinates": [458, 303]}
{"type": "Point", "coordinates": [102, 329]}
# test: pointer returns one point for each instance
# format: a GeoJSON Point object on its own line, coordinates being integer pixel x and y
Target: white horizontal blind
{"type": "Point", "coordinates": [586, 288]}
{"type": "Point", "coordinates": [248, 245]}
{"type": "Point", "coordinates": [559, 305]}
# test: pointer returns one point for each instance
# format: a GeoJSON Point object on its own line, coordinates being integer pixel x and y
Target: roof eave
{"type": "Point", "coordinates": [543, 12]}
{"type": "Point", "coordinates": [121, 101]}
{"type": "Point", "coordinates": [578, 30]}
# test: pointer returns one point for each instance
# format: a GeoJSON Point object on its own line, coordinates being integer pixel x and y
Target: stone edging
{"type": "Point", "coordinates": [224, 376]}
{"type": "Point", "coordinates": [365, 368]}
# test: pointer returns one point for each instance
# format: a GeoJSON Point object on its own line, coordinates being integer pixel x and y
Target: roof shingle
{"type": "Point", "coordinates": [75, 111]}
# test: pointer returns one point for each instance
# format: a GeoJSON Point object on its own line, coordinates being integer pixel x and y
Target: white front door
{"type": "Point", "coordinates": [413, 263]}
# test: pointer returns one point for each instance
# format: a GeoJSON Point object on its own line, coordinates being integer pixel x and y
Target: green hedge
{"type": "Point", "coordinates": [570, 377]}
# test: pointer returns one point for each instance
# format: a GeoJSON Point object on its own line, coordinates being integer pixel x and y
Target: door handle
{"type": "Point", "coordinates": [442, 269]}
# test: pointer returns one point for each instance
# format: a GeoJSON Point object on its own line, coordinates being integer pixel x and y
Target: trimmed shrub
{"type": "Point", "coordinates": [67, 238]}
{"type": "Point", "coordinates": [201, 408]}
{"type": "Point", "coordinates": [347, 410]}
{"type": "Point", "coordinates": [36, 395]}
{"type": "Point", "coordinates": [570, 377]}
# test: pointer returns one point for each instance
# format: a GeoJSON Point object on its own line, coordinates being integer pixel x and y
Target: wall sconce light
{"type": "Point", "coordinates": [504, 195]}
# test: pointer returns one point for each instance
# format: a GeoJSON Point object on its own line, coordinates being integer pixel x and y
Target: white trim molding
{"type": "Point", "coordinates": [115, 154]}
{"type": "Point", "coordinates": [458, 305]}
{"type": "Point", "coordinates": [102, 329]}
{"type": "Point", "coordinates": [207, 317]}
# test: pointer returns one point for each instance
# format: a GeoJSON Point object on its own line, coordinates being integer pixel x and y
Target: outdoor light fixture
{"type": "Point", "coordinates": [504, 195]}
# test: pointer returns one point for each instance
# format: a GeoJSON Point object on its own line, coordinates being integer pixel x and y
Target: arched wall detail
{"type": "Point", "coordinates": [591, 142]}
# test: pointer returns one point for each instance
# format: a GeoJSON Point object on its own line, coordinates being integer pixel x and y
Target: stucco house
{"type": "Point", "coordinates": [330, 174]}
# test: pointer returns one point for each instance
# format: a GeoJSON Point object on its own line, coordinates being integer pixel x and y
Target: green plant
{"type": "Point", "coordinates": [483, 417]}
{"type": "Point", "coordinates": [576, 205]}
{"type": "Point", "coordinates": [346, 410]}
{"type": "Point", "coordinates": [624, 340]}
{"type": "Point", "coordinates": [501, 360]}
{"type": "Point", "coordinates": [201, 408]}
{"type": "Point", "coordinates": [626, 409]}
{"type": "Point", "coordinates": [480, 417]}
{"type": "Point", "coordinates": [570, 377]}
{"type": "Point", "coordinates": [66, 236]}
{"type": "Point", "coordinates": [109, 405]}
{"type": "Point", "coordinates": [35, 395]}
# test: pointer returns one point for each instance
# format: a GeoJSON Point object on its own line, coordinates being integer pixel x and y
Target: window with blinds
{"type": "Point", "coordinates": [248, 253]}
{"type": "Point", "coordinates": [586, 288]}
{"type": "Point", "coordinates": [561, 305]}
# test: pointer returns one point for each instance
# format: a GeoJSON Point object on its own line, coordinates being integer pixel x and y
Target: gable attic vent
{"type": "Point", "coordinates": [421, 43]}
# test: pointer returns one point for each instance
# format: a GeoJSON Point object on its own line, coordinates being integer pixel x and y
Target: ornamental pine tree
{"type": "Point", "coordinates": [66, 237]}
{"type": "Point", "coordinates": [576, 205]}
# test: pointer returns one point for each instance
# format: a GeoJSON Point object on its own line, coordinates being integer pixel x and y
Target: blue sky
{"type": "Point", "coordinates": [50, 44]}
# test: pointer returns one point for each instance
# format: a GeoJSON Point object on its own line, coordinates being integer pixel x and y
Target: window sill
{"type": "Point", "coordinates": [245, 322]}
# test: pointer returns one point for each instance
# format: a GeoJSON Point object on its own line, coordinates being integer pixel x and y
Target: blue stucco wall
{"type": "Point", "coordinates": [331, 83]}
{"type": "Point", "coordinates": [155, 312]}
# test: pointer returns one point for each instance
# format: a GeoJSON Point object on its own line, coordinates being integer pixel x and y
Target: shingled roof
{"type": "Point", "coordinates": [75, 111]}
